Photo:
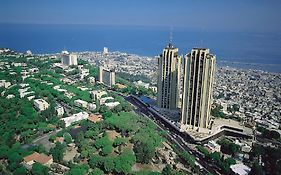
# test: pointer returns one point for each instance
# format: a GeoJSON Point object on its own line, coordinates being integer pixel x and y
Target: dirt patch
{"type": "Point", "coordinates": [148, 167]}
{"type": "Point", "coordinates": [112, 134]}
{"type": "Point", "coordinates": [70, 154]}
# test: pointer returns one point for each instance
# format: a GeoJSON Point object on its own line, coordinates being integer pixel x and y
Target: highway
{"type": "Point", "coordinates": [173, 135]}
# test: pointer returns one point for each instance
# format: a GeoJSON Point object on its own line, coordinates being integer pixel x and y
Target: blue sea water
{"type": "Point", "coordinates": [238, 49]}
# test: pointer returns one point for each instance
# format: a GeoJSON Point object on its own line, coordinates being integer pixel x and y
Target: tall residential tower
{"type": "Point", "coordinates": [68, 58]}
{"type": "Point", "coordinates": [107, 76]}
{"type": "Point", "coordinates": [169, 66]}
{"type": "Point", "coordinates": [199, 70]}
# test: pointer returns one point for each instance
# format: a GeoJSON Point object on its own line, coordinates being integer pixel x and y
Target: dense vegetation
{"type": "Point", "coordinates": [223, 163]}
{"type": "Point", "coordinates": [112, 145]}
{"type": "Point", "coordinates": [228, 147]}
{"type": "Point", "coordinates": [270, 157]}
{"type": "Point", "coordinates": [269, 134]}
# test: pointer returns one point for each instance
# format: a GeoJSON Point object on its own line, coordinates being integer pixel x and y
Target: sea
{"type": "Point", "coordinates": [247, 50]}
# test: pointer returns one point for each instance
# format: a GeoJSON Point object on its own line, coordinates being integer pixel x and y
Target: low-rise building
{"type": "Point", "coordinates": [92, 106]}
{"type": "Point", "coordinates": [75, 117]}
{"type": "Point", "coordinates": [141, 84]}
{"type": "Point", "coordinates": [41, 104]}
{"type": "Point", "coordinates": [95, 118]}
{"type": "Point", "coordinates": [92, 80]}
{"type": "Point", "coordinates": [120, 86]}
{"type": "Point", "coordinates": [111, 105]}
{"type": "Point", "coordinates": [10, 96]}
{"type": "Point", "coordinates": [96, 94]}
{"type": "Point", "coordinates": [39, 158]}
{"type": "Point", "coordinates": [83, 72]}
{"type": "Point", "coordinates": [59, 110]}
{"type": "Point", "coordinates": [4, 83]}
{"type": "Point", "coordinates": [31, 97]}
{"type": "Point", "coordinates": [103, 100]}
{"type": "Point", "coordinates": [81, 103]}
{"type": "Point", "coordinates": [240, 169]}
{"type": "Point", "coordinates": [213, 146]}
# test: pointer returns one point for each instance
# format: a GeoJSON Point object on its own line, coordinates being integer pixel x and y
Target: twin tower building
{"type": "Point", "coordinates": [193, 95]}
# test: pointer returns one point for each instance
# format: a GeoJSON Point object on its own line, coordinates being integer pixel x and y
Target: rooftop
{"type": "Point", "coordinates": [40, 158]}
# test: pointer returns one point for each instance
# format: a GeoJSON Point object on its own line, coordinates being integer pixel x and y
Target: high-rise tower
{"type": "Point", "coordinates": [68, 58]}
{"type": "Point", "coordinates": [199, 70]}
{"type": "Point", "coordinates": [169, 66]}
{"type": "Point", "coordinates": [107, 76]}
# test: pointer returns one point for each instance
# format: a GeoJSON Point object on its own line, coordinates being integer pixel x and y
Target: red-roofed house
{"type": "Point", "coordinates": [39, 158]}
{"type": "Point", "coordinates": [95, 118]}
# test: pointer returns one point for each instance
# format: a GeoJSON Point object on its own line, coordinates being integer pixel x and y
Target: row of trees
{"type": "Point", "coordinates": [223, 163]}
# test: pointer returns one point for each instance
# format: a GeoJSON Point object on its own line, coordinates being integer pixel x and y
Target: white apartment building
{"type": "Point", "coordinates": [96, 94]}
{"type": "Point", "coordinates": [103, 100]}
{"type": "Point", "coordinates": [41, 104]}
{"type": "Point", "coordinates": [75, 117]}
{"type": "Point", "coordinates": [81, 103]}
{"type": "Point", "coordinates": [4, 83]}
{"type": "Point", "coordinates": [59, 110]}
{"type": "Point", "coordinates": [111, 105]}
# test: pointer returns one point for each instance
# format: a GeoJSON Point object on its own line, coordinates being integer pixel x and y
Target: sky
{"type": "Point", "coordinates": [212, 15]}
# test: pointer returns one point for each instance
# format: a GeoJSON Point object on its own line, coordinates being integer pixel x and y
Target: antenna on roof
{"type": "Point", "coordinates": [201, 35]}
{"type": "Point", "coordinates": [171, 35]}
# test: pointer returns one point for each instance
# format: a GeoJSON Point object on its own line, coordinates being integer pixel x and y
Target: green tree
{"type": "Point", "coordinates": [109, 164]}
{"type": "Point", "coordinates": [20, 171]}
{"type": "Point", "coordinates": [188, 158]}
{"type": "Point", "coordinates": [167, 170]}
{"type": "Point", "coordinates": [119, 141]}
{"type": "Point", "coordinates": [38, 169]}
{"type": "Point", "coordinates": [96, 161]}
{"type": "Point", "coordinates": [256, 169]}
{"type": "Point", "coordinates": [124, 162]}
{"type": "Point", "coordinates": [117, 108]}
{"type": "Point", "coordinates": [67, 138]}
{"type": "Point", "coordinates": [52, 138]}
{"type": "Point", "coordinates": [97, 171]}
{"type": "Point", "coordinates": [106, 150]}
{"type": "Point", "coordinates": [144, 152]}
{"type": "Point", "coordinates": [58, 151]}
{"type": "Point", "coordinates": [78, 169]}
{"type": "Point", "coordinates": [102, 142]}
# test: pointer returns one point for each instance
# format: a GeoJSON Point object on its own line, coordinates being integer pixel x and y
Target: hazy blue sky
{"type": "Point", "coordinates": [219, 15]}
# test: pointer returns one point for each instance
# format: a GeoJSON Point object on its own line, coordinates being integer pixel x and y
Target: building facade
{"type": "Point", "coordinates": [41, 104]}
{"type": "Point", "coordinates": [169, 73]}
{"type": "Point", "coordinates": [68, 59]}
{"type": "Point", "coordinates": [107, 76]}
{"type": "Point", "coordinates": [199, 71]}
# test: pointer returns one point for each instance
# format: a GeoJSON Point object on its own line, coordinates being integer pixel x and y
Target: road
{"type": "Point", "coordinates": [173, 135]}
{"type": "Point", "coordinates": [44, 140]}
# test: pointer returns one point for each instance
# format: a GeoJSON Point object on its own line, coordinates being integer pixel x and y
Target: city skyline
{"type": "Point", "coordinates": [78, 96]}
